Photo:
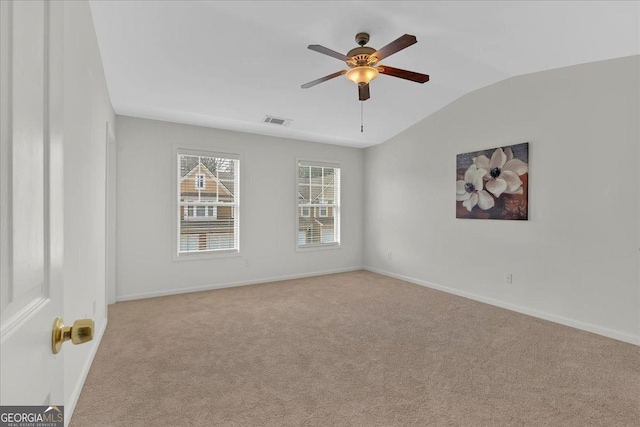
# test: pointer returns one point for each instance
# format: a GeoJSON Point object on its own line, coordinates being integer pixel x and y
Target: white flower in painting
{"type": "Point", "coordinates": [502, 171]}
{"type": "Point", "coordinates": [470, 191]}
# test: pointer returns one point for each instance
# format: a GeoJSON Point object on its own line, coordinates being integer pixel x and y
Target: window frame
{"type": "Point", "coordinates": [200, 177]}
{"type": "Point", "coordinates": [318, 246]}
{"type": "Point", "coordinates": [205, 151]}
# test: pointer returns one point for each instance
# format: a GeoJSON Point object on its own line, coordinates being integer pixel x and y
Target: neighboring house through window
{"type": "Point", "coordinates": [318, 204]}
{"type": "Point", "coordinates": [208, 202]}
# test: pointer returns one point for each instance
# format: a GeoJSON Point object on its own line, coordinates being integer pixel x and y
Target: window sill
{"type": "Point", "coordinates": [320, 247]}
{"type": "Point", "coordinates": [198, 256]}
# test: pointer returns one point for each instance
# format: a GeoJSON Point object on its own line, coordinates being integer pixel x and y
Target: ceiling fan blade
{"type": "Point", "coordinates": [363, 92]}
{"type": "Point", "coordinates": [323, 79]}
{"type": "Point", "coordinates": [395, 46]}
{"type": "Point", "coordinates": [327, 51]}
{"type": "Point", "coordinates": [403, 74]}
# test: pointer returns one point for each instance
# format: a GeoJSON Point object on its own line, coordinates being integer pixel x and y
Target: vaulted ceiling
{"type": "Point", "coordinates": [229, 64]}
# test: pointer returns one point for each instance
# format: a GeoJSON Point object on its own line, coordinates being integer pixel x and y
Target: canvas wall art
{"type": "Point", "coordinates": [494, 183]}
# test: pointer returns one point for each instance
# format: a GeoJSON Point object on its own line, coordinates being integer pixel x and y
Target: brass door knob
{"type": "Point", "coordinates": [81, 332]}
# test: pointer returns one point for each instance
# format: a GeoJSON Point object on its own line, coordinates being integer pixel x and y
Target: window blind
{"type": "Point", "coordinates": [208, 203]}
{"type": "Point", "coordinates": [318, 204]}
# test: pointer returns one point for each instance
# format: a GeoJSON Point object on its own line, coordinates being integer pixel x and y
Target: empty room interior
{"type": "Point", "coordinates": [357, 213]}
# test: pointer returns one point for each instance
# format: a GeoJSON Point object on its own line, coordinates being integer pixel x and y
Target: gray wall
{"type": "Point", "coordinates": [146, 210]}
{"type": "Point", "coordinates": [576, 260]}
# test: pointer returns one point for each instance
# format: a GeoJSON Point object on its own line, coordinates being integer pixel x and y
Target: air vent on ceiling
{"type": "Point", "coordinates": [277, 121]}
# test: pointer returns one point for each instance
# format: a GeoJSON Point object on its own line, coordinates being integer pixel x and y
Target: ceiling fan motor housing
{"type": "Point", "coordinates": [360, 56]}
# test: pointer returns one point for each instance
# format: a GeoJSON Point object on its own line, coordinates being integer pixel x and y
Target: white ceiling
{"type": "Point", "coordinates": [228, 64]}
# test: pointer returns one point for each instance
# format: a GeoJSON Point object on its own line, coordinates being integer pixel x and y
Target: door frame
{"type": "Point", "coordinates": [110, 217]}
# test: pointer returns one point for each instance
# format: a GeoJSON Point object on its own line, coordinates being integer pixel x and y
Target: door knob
{"type": "Point", "coordinates": [80, 333]}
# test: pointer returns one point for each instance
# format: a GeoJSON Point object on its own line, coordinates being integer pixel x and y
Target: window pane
{"type": "Point", "coordinates": [188, 242]}
{"type": "Point", "coordinates": [328, 175]}
{"type": "Point", "coordinates": [315, 193]}
{"type": "Point", "coordinates": [225, 212]}
{"type": "Point", "coordinates": [303, 193]}
{"type": "Point", "coordinates": [316, 173]}
{"type": "Point", "coordinates": [303, 174]}
{"type": "Point", "coordinates": [220, 241]}
{"type": "Point", "coordinates": [318, 185]}
{"type": "Point", "coordinates": [206, 183]}
{"type": "Point", "coordinates": [227, 190]}
{"type": "Point", "coordinates": [225, 168]}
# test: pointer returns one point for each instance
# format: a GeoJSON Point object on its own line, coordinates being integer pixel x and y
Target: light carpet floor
{"type": "Point", "coordinates": [351, 349]}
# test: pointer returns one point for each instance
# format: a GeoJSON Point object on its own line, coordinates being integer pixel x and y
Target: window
{"type": "Point", "coordinates": [208, 215]}
{"type": "Point", "coordinates": [199, 181]}
{"type": "Point", "coordinates": [318, 204]}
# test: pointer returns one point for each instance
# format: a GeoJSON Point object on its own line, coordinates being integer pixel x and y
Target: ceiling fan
{"type": "Point", "coordinates": [363, 63]}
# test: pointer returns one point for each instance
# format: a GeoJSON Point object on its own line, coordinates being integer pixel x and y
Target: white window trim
{"type": "Point", "coordinates": [197, 181]}
{"type": "Point", "coordinates": [209, 151]}
{"type": "Point", "coordinates": [319, 246]}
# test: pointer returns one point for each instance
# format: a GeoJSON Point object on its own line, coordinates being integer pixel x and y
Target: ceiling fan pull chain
{"type": "Point", "coordinates": [361, 115]}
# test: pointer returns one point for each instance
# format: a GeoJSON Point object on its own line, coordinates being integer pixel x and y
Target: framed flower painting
{"type": "Point", "coordinates": [494, 183]}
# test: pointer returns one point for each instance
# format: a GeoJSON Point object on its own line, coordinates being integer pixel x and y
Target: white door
{"type": "Point", "coordinates": [31, 203]}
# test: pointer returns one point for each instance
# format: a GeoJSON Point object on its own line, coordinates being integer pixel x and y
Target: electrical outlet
{"type": "Point", "coordinates": [246, 263]}
{"type": "Point", "coordinates": [508, 278]}
{"type": "Point", "coordinates": [389, 255]}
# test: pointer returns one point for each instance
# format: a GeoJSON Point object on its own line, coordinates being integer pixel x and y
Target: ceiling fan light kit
{"type": "Point", "coordinates": [363, 63]}
{"type": "Point", "coordinates": [362, 75]}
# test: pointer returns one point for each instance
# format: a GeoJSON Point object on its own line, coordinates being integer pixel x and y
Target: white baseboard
{"type": "Point", "coordinates": [70, 406]}
{"type": "Point", "coordinates": [610, 333]}
{"type": "Point", "coordinates": [230, 284]}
